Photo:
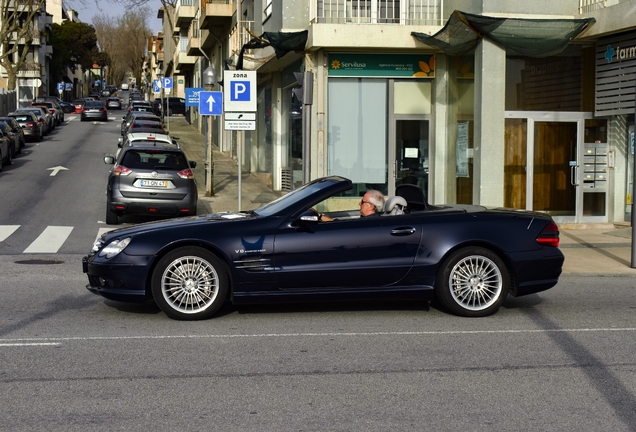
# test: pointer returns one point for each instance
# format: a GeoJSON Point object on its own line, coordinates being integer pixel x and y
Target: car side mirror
{"type": "Point", "coordinates": [120, 142]}
{"type": "Point", "coordinates": [193, 164]}
{"type": "Point", "coordinates": [308, 217]}
{"type": "Point", "coordinates": [110, 160]}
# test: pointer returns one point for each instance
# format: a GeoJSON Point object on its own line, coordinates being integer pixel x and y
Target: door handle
{"type": "Point", "coordinates": [402, 231]}
{"type": "Point", "coordinates": [574, 171]}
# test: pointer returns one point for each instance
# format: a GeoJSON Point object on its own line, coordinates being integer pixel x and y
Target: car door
{"type": "Point", "coordinates": [353, 253]}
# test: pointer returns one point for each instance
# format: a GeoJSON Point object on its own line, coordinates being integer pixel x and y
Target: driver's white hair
{"type": "Point", "coordinates": [377, 199]}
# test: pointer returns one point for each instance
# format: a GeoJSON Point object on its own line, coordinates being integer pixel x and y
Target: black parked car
{"type": "Point", "coordinates": [6, 154]}
{"type": "Point", "coordinates": [468, 256]}
{"type": "Point", "coordinates": [15, 128]}
{"type": "Point", "coordinates": [13, 131]}
{"type": "Point", "coordinates": [174, 105]}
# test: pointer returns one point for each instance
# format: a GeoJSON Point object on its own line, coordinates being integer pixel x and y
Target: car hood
{"type": "Point", "coordinates": [225, 217]}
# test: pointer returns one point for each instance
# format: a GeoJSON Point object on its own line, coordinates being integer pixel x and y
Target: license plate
{"type": "Point", "coordinates": [154, 183]}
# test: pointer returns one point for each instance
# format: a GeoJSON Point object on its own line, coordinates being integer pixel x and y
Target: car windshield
{"type": "Point", "coordinates": [289, 199]}
{"type": "Point", "coordinates": [93, 104]}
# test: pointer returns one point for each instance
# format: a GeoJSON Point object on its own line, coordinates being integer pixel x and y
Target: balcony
{"type": "Point", "coordinates": [216, 13]}
{"type": "Point", "coordinates": [415, 12]}
{"type": "Point", "coordinates": [239, 37]}
{"type": "Point", "coordinates": [186, 11]}
{"type": "Point", "coordinates": [31, 70]}
{"type": "Point", "coordinates": [36, 37]}
{"type": "Point", "coordinates": [194, 39]}
{"type": "Point", "coordinates": [183, 60]}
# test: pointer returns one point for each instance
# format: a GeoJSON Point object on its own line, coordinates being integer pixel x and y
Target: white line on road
{"type": "Point", "coordinates": [50, 241]}
{"type": "Point", "coordinates": [7, 230]}
{"type": "Point", "coordinates": [29, 344]}
{"type": "Point", "coordinates": [328, 334]}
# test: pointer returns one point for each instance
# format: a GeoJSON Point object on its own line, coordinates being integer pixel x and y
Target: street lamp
{"type": "Point", "coordinates": [209, 81]}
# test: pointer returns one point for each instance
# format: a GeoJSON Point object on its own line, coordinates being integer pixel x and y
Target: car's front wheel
{"type": "Point", "coordinates": [189, 283]}
{"type": "Point", "coordinates": [472, 282]}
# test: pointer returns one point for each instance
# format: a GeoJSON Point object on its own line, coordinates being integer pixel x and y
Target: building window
{"type": "Point", "coordinates": [267, 12]}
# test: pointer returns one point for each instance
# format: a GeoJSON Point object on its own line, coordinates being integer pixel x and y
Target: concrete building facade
{"type": "Point", "coordinates": [496, 124]}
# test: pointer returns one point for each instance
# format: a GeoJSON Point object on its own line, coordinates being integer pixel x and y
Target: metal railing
{"type": "Point", "coordinates": [239, 36]}
{"type": "Point", "coordinates": [592, 5]}
{"type": "Point", "coordinates": [401, 12]}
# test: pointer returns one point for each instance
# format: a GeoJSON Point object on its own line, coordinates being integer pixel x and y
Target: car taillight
{"type": "Point", "coordinates": [52, 111]}
{"type": "Point", "coordinates": [186, 174]}
{"type": "Point", "coordinates": [121, 170]}
{"type": "Point", "coordinates": [549, 236]}
{"type": "Point", "coordinates": [30, 124]}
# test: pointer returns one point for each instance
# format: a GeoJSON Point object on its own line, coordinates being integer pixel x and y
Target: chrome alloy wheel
{"type": "Point", "coordinates": [475, 282]}
{"type": "Point", "coordinates": [190, 284]}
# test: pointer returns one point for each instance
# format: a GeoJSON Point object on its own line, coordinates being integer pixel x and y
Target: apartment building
{"type": "Point", "coordinates": [499, 103]}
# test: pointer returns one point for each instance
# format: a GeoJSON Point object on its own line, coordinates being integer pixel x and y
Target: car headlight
{"type": "Point", "coordinates": [114, 248]}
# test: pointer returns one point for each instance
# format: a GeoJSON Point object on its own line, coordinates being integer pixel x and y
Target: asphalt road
{"type": "Point", "coordinates": [72, 361]}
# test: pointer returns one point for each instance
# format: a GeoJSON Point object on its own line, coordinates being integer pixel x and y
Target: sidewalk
{"type": "Point", "coordinates": [225, 180]}
{"type": "Point", "coordinates": [598, 249]}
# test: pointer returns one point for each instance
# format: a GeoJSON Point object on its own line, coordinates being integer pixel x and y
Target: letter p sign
{"type": "Point", "coordinates": [240, 91]}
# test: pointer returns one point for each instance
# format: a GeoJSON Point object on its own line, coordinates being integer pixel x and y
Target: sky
{"type": "Point", "coordinates": [86, 9]}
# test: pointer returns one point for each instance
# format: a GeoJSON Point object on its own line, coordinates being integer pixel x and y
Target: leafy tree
{"type": "Point", "coordinates": [74, 44]}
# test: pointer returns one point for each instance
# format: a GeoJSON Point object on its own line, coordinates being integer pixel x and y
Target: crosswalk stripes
{"type": "Point", "coordinates": [50, 240]}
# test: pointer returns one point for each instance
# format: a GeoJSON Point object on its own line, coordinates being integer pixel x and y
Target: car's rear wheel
{"type": "Point", "coordinates": [472, 282]}
{"type": "Point", "coordinates": [189, 283]}
{"type": "Point", "coordinates": [9, 160]}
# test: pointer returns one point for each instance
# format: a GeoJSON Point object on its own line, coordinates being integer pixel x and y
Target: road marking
{"type": "Point", "coordinates": [326, 334]}
{"type": "Point", "coordinates": [7, 230]}
{"type": "Point", "coordinates": [30, 344]}
{"type": "Point", "coordinates": [55, 170]}
{"type": "Point", "coordinates": [50, 241]}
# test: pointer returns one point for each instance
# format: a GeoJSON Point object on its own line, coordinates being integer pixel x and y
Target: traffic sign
{"type": "Point", "coordinates": [240, 90]}
{"type": "Point", "coordinates": [240, 125]}
{"type": "Point", "coordinates": [60, 87]}
{"type": "Point", "coordinates": [211, 103]}
{"type": "Point", "coordinates": [240, 116]}
{"type": "Point", "coordinates": [192, 96]}
{"type": "Point", "coordinates": [167, 82]}
{"type": "Point", "coordinates": [156, 86]}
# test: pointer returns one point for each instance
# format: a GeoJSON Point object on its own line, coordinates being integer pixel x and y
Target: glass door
{"type": "Point", "coordinates": [412, 159]}
{"type": "Point", "coordinates": [555, 174]}
{"type": "Point", "coordinates": [557, 163]}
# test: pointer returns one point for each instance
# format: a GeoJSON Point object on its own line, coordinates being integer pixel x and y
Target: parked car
{"type": "Point", "coordinates": [113, 102]}
{"type": "Point", "coordinates": [174, 105]}
{"type": "Point", "coordinates": [79, 104]}
{"type": "Point", "coordinates": [132, 115]}
{"type": "Point", "coordinates": [66, 107]}
{"type": "Point", "coordinates": [45, 118]}
{"type": "Point", "coordinates": [151, 176]}
{"type": "Point", "coordinates": [6, 155]}
{"type": "Point", "coordinates": [32, 128]}
{"type": "Point", "coordinates": [57, 112]}
{"type": "Point", "coordinates": [13, 128]}
{"type": "Point", "coordinates": [94, 110]}
{"type": "Point", "coordinates": [141, 125]}
{"type": "Point", "coordinates": [468, 257]}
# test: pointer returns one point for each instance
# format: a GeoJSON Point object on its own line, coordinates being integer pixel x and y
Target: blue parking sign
{"type": "Point", "coordinates": [167, 83]}
{"type": "Point", "coordinates": [240, 91]}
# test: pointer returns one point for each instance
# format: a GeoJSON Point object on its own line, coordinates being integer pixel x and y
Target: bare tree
{"type": "Point", "coordinates": [17, 32]}
{"type": "Point", "coordinates": [125, 39]}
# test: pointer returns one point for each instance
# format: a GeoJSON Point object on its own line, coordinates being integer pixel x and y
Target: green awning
{"type": "Point", "coordinates": [518, 36]}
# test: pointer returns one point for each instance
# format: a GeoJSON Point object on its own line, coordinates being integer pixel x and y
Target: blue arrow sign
{"type": "Point", "coordinates": [211, 103]}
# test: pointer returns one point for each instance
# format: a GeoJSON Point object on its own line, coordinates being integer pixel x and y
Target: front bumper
{"type": "Point", "coordinates": [125, 282]}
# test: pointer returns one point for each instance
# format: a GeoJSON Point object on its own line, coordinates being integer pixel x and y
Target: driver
{"type": "Point", "coordinates": [372, 204]}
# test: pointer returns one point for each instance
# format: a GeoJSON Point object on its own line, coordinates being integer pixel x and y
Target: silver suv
{"type": "Point", "coordinates": [152, 177]}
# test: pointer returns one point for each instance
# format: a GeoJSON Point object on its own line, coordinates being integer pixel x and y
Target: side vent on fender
{"type": "Point", "coordinates": [252, 263]}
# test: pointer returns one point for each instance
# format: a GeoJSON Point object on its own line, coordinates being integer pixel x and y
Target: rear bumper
{"type": "Point", "coordinates": [535, 272]}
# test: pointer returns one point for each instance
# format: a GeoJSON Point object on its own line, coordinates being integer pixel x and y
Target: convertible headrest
{"type": "Point", "coordinates": [394, 206]}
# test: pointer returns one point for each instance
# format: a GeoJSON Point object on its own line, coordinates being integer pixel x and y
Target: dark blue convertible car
{"type": "Point", "coordinates": [469, 257]}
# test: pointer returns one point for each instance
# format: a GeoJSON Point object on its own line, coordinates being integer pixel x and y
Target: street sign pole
{"type": "Point", "coordinates": [210, 104]}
